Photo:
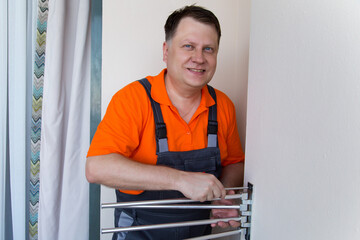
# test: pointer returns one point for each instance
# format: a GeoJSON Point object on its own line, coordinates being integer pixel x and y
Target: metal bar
{"type": "Point", "coordinates": [247, 202]}
{"type": "Point", "coordinates": [236, 188]}
{"type": "Point", "coordinates": [167, 201]}
{"type": "Point", "coordinates": [245, 196]}
{"type": "Point", "coordinates": [178, 206]}
{"type": "Point", "coordinates": [246, 225]}
{"type": "Point", "coordinates": [168, 225]}
{"type": "Point", "coordinates": [246, 213]}
{"type": "Point", "coordinates": [217, 235]}
{"type": "Point", "coordinates": [243, 207]}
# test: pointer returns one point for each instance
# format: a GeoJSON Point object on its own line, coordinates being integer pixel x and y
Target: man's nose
{"type": "Point", "coordinates": [198, 56]}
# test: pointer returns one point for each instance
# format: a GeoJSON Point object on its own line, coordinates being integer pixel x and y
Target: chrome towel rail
{"type": "Point", "coordinates": [169, 225]}
{"type": "Point", "coordinates": [241, 231]}
{"type": "Point", "coordinates": [243, 196]}
{"type": "Point", "coordinates": [244, 207]}
{"type": "Point", "coordinates": [193, 206]}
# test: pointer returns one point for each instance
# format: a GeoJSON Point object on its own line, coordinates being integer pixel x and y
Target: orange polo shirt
{"type": "Point", "coordinates": [128, 126]}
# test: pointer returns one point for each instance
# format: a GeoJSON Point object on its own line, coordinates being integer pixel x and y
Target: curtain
{"type": "Point", "coordinates": [3, 114]}
{"type": "Point", "coordinates": [61, 95]}
{"type": "Point", "coordinates": [63, 199]}
{"type": "Point", "coordinates": [17, 20]}
{"type": "Point", "coordinates": [35, 134]}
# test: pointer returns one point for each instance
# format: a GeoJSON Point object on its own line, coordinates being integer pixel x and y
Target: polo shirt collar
{"type": "Point", "coordinates": [159, 94]}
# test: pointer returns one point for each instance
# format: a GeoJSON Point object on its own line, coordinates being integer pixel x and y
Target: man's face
{"type": "Point", "coordinates": [191, 54]}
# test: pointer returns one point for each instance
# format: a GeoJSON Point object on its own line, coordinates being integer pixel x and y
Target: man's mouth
{"type": "Point", "coordinates": [196, 70]}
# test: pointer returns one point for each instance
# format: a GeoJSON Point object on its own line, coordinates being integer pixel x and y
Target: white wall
{"type": "Point", "coordinates": [132, 49]}
{"type": "Point", "coordinates": [303, 125]}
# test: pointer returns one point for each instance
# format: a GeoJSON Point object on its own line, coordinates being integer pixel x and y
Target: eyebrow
{"type": "Point", "coordinates": [193, 43]}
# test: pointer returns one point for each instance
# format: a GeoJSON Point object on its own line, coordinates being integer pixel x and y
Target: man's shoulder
{"type": "Point", "coordinates": [130, 94]}
{"type": "Point", "coordinates": [132, 88]}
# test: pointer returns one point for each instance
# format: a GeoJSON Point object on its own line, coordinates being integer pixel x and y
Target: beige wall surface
{"type": "Point", "coordinates": [303, 130]}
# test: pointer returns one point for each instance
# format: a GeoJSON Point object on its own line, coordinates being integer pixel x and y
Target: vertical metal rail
{"type": "Point", "coordinates": [248, 211]}
{"type": "Point", "coordinates": [244, 207]}
{"type": "Point", "coordinates": [95, 110]}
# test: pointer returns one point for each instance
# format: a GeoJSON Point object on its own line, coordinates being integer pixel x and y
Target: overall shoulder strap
{"type": "Point", "coordinates": [212, 122]}
{"type": "Point", "coordinates": [160, 126]}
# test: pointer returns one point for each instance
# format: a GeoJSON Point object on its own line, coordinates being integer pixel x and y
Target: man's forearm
{"type": "Point", "coordinates": [116, 171]}
{"type": "Point", "coordinates": [233, 175]}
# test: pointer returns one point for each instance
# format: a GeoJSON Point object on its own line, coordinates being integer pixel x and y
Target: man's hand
{"type": "Point", "coordinates": [200, 186]}
{"type": "Point", "coordinates": [225, 213]}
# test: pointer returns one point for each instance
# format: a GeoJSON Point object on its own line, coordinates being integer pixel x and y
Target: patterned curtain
{"type": "Point", "coordinates": [44, 117]}
{"type": "Point", "coordinates": [37, 98]}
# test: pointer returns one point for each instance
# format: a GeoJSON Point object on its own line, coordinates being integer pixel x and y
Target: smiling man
{"type": "Point", "coordinates": [171, 135]}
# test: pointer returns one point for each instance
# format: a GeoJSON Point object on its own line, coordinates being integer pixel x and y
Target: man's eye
{"type": "Point", "coordinates": [188, 46]}
{"type": "Point", "coordinates": [208, 49]}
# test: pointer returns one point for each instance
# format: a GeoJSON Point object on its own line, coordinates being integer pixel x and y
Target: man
{"type": "Point", "coordinates": [171, 135]}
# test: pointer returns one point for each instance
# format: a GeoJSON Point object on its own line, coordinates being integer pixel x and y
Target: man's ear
{"type": "Point", "coordinates": [165, 51]}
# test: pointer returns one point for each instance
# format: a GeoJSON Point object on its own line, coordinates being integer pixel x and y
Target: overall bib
{"type": "Point", "coordinates": [202, 160]}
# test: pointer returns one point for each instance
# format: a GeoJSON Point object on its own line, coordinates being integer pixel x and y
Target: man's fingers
{"type": "Point", "coordinates": [221, 189]}
{"type": "Point", "coordinates": [222, 224]}
{"type": "Point", "coordinates": [201, 186]}
{"type": "Point", "coordinates": [234, 224]}
{"type": "Point", "coordinates": [219, 192]}
{"type": "Point", "coordinates": [230, 192]}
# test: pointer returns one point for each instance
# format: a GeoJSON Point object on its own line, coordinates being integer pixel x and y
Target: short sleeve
{"type": "Point", "coordinates": [120, 129]}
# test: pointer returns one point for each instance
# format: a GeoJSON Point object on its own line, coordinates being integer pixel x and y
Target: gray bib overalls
{"type": "Point", "coordinates": [202, 160]}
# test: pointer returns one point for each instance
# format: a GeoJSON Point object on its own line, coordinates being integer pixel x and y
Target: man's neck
{"type": "Point", "coordinates": [186, 101]}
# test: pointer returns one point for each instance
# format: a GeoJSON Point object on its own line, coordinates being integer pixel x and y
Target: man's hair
{"type": "Point", "coordinates": [196, 12]}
